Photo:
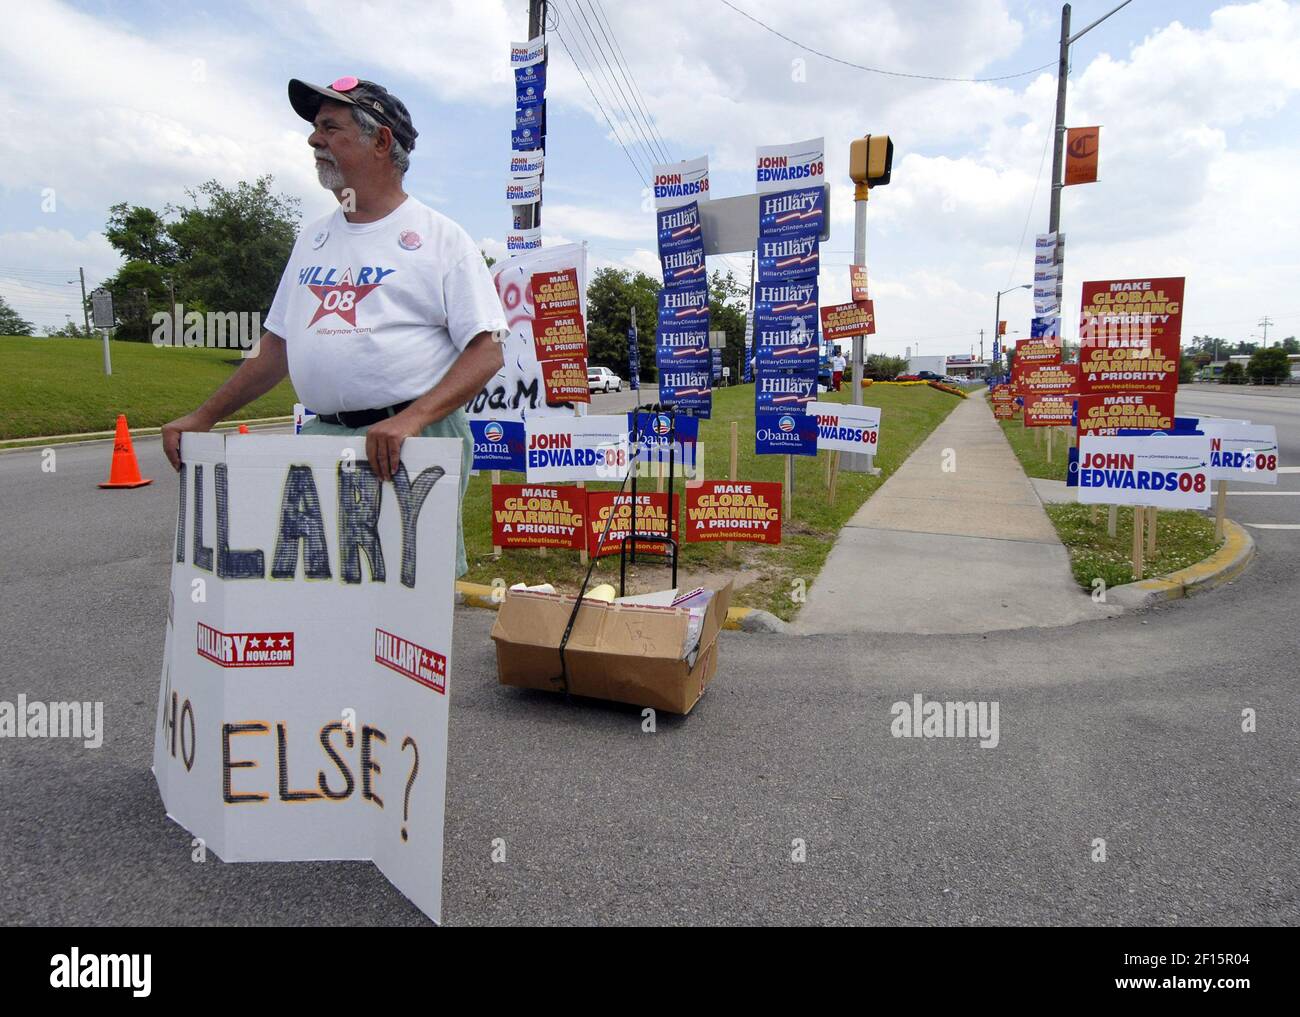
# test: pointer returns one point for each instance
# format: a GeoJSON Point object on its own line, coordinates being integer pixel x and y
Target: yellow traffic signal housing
{"type": "Point", "coordinates": [870, 159]}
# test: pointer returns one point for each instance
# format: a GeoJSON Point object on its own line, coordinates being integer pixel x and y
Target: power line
{"type": "Point", "coordinates": [1038, 179]}
{"type": "Point", "coordinates": [878, 70]}
{"type": "Point", "coordinates": [598, 9]}
{"type": "Point", "coordinates": [635, 168]}
{"type": "Point", "coordinates": [628, 107]}
{"type": "Point", "coordinates": [632, 129]}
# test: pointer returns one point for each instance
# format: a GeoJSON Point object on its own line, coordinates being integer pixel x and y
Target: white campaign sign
{"type": "Point", "coordinates": [1241, 451]}
{"type": "Point", "coordinates": [302, 713]}
{"type": "Point", "coordinates": [843, 427]}
{"type": "Point", "coordinates": [1162, 471]}
{"type": "Point", "coordinates": [680, 183]}
{"type": "Point", "coordinates": [575, 448]}
{"type": "Point", "coordinates": [790, 167]}
{"type": "Point", "coordinates": [517, 391]}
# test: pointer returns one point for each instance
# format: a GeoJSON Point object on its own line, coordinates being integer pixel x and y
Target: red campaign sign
{"type": "Point", "coordinates": [1005, 411]}
{"type": "Point", "coordinates": [1129, 368]}
{"type": "Point", "coordinates": [858, 283]}
{"type": "Point", "coordinates": [1002, 393]}
{"type": "Point", "coordinates": [555, 294]}
{"type": "Point", "coordinates": [1134, 311]}
{"type": "Point", "coordinates": [840, 321]}
{"type": "Point", "coordinates": [245, 649]}
{"type": "Point", "coordinates": [563, 337]}
{"type": "Point", "coordinates": [538, 515]}
{"type": "Point", "coordinates": [565, 381]}
{"type": "Point", "coordinates": [1104, 415]}
{"type": "Point", "coordinates": [651, 517]}
{"type": "Point", "coordinates": [1054, 378]}
{"type": "Point", "coordinates": [1045, 409]}
{"type": "Point", "coordinates": [1046, 350]}
{"type": "Point", "coordinates": [734, 510]}
{"type": "Point", "coordinates": [420, 664]}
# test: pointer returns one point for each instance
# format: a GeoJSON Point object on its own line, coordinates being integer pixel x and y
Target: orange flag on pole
{"type": "Point", "coordinates": [1081, 145]}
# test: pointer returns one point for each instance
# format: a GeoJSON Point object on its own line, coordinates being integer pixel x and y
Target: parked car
{"type": "Point", "coordinates": [602, 379]}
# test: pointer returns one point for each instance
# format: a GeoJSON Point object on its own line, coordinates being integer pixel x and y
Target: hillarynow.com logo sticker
{"type": "Point", "coordinates": [427, 667]}
{"type": "Point", "coordinates": [246, 649]}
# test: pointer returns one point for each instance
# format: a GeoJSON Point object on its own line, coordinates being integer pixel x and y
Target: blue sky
{"type": "Point", "coordinates": [135, 101]}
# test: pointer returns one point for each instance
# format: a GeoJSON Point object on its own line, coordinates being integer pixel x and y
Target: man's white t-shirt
{"type": "Point", "coordinates": [375, 313]}
{"type": "Point", "coordinates": [837, 364]}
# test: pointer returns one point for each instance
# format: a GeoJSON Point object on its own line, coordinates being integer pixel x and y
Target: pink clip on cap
{"type": "Point", "coordinates": [345, 84]}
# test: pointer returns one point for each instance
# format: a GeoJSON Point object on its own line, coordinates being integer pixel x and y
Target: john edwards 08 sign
{"type": "Point", "coordinates": [1241, 451]}
{"type": "Point", "coordinates": [530, 515]}
{"type": "Point", "coordinates": [842, 427]}
{"type": "Point", "coordinates": [790, 167]}
{"type": "Point", "coordinates": [727, 510]}
{"type": "Point", "coordinates": [575, 448]}
{"type": "Point", "coordinates": [1162, 471]}
{"type": "Point", "coordinates": [680, 183]}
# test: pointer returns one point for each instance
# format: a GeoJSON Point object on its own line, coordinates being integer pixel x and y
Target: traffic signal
{"type": "Point", "coordinates": [870, 159]}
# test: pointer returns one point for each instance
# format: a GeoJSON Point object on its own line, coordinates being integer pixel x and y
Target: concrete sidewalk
{"type": "Point", "coordinates": [969, 550]}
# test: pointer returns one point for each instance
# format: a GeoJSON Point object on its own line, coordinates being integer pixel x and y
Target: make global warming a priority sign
{"type": "Point", "coordinates": [1105, 415]}
{"type": "Point", "coordinates": [1163, 471]}
{"type": "Point", "coordinates": [1139, 310]}
{"type": "Point", "coordinates": [843, 427]}
{"type": "Point", "coordinates": [302, 711]}
{"type": "Point", "coordinates": [842, 321]}
{"type": "Point", "coordinates": [730, 510]}
{"type": "Point", "coordinates": [1045, 409]}
{"type": "Point", "coordinates": [651, 518]}
{"type": "Point", "coordinates": [1123, 365]}
{"type": "Point", "coordinates": [532, 515]}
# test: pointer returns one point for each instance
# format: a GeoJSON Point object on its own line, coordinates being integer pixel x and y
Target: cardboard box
{"type": "Point", "coordinates": [626, 653]}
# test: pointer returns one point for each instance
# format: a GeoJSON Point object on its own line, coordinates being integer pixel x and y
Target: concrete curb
{"type": "Point", "coordinates": [1221, 567]}
{"type": "Point", "coordinates": [739, 619]}
{"type": "Point", "coordinates": [91, 437]}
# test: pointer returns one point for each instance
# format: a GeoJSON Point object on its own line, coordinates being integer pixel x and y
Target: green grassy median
{"type": "Point", "coordinates": [766, 575]}
{"type": "Point", "coordinates": [58, 386]}
{"type": "Point", "coordinates": [1182, 538]}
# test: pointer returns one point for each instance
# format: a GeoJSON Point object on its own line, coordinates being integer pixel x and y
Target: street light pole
{"type": "Point", "coordinates": [997, 311]}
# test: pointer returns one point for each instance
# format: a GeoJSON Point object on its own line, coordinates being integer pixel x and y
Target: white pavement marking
{"type": "Point", "coordinates": [1288, 469]}
{"type": "Point", "coordinates": [1264, 494]}
{"type": "Point", "coordinates": [1274, 526]}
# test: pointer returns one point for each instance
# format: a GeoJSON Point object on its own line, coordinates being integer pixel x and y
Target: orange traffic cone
{"type": "Point", "coordinates": [125, 471]}
{"type": "Point", "coordinates": [243, 428]}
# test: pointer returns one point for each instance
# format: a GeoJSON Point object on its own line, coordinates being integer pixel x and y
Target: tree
{"type": "Point", "coordinates": [140, 234]}
{"type": "Point", "coordinates": [1233, 373]}
{"type": "Point", "coordinates": [11, 322]}
{"type": "Point", "coordinates": [232, 244]}
{"type": "Point", "coordinates": [1290, 345]}
{"type": "Point", "coordinates": [68, 330]}
{"type": "Point", "coordinates": [139, 291]}
{"type": "Point", "coordinates": [728, 303]}
{"type": "Point", "coordinates": [611, 294]}
{"type": "Point", "coordinates": [1186, 370]}
{"type": "Point", "coordinates": [1269, 366]}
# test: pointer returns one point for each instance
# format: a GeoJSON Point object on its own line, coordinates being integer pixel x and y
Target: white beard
{"type": "Point", "coordinates": [330, 176]}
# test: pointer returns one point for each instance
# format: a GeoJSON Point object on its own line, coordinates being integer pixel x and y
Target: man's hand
{"type": "Point", "coordinates": [171, 434]}
{"type": "Point", "coordinates": [384, 441]}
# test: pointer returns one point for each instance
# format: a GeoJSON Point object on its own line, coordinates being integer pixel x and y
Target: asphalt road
{"type": "Point", "coordinates": [1128, 730]}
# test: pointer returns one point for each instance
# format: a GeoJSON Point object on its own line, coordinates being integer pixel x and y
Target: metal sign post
{"type": "Point", "coordinates": [101, 303]}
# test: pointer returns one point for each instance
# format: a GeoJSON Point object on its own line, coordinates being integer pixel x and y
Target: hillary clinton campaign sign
{"type": "Point", "coordinates": [302, 712]}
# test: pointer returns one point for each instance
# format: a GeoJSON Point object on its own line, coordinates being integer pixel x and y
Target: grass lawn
{"type": "Point", "coordinates": [58, 386]}
{"type": "Point", "coordinates": [768, 573]}
{"type": "Point", "coordinates": [1182, 538]}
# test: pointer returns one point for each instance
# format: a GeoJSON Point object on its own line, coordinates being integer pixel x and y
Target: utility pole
{"type": "Point", "coordinates": [85, 311]}
{"type": "Point", "coordinates": [1264, 322]}
{"type": "Point", "coordinates": [536, 26]}
{"type": "Point", "coordinates": [981, 346]}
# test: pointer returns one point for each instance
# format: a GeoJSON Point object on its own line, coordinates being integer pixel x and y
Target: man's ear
{"type": "Point", "coordinates": [383, 141]}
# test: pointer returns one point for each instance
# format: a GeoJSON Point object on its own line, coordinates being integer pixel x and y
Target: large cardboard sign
{"type": "Point", "coordinates": [561, 449]}
{"type": "Point", "coordinates": [1121, 365]}
{"type": "Point", "coordinates": [517, 390]}
{"type": "Point", "coordinates": [651, 518]}
{"type": "Point", "coordinates": [302, 712]}
{"type": "Point", "coordinates": [1105, 415]}
{"type": "Point", "coordinates": [731, 510]}
{"type": "Point", "coordinates": [1162, 471]}
{"type": "Point", "coordinates": [843, 427]}
{"type": "Point", "coordinates": [535, 515]}
{"type": "Point", "coordinates": [1046, 409]}
{"type": "Point", "coordinates": [1241, 451]}
{"type": "Point", "coordinates": [1138, 311]}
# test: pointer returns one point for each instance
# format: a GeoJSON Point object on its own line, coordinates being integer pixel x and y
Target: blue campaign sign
{"type": "Point", "coordinates": [674, 360]}
{"type": "Point", "coordinates": [498, 444]}
{"type": "Point", "coordinates": [653, 436]}
{"type": "Point", "coordinates": [789, 299]}
{"type": "Point", "coordinates": [530, 85]}
{"type": "Point", "coordinates": [787, 345]}
{"type": "Point", "coordinates": [530, 117]}
{"type": "Point", "coordinates": [525, 139]}
{"type": "Point", "coordinates": [633, 360]}
{"type": "Point", "coordinates": [776, 391]}
{"type": "Point", "coordinates": [679, 229]}
{"type": "Point", "coordinates": [1040, 328]}
{"type": "Point", "coordinates": [786, 258]}
{"type": "Point", "coordinates": [687, 389]}
{"type": "Point", "coordinates": [685, 268]}
{"type": "Point", "coordinates": [785, 433]}
{"type": "Point", "coordinates": [798, 213]}
{"type": "Point", "coordinates": [1072, 467]}
{"type": "Point", "coordinates": [717, 365]}
{"type": "Point", "coordinates": [683, 310]}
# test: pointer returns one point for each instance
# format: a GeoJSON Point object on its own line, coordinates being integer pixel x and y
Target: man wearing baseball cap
{"type": "Point", "coordinates": [386, 318]}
